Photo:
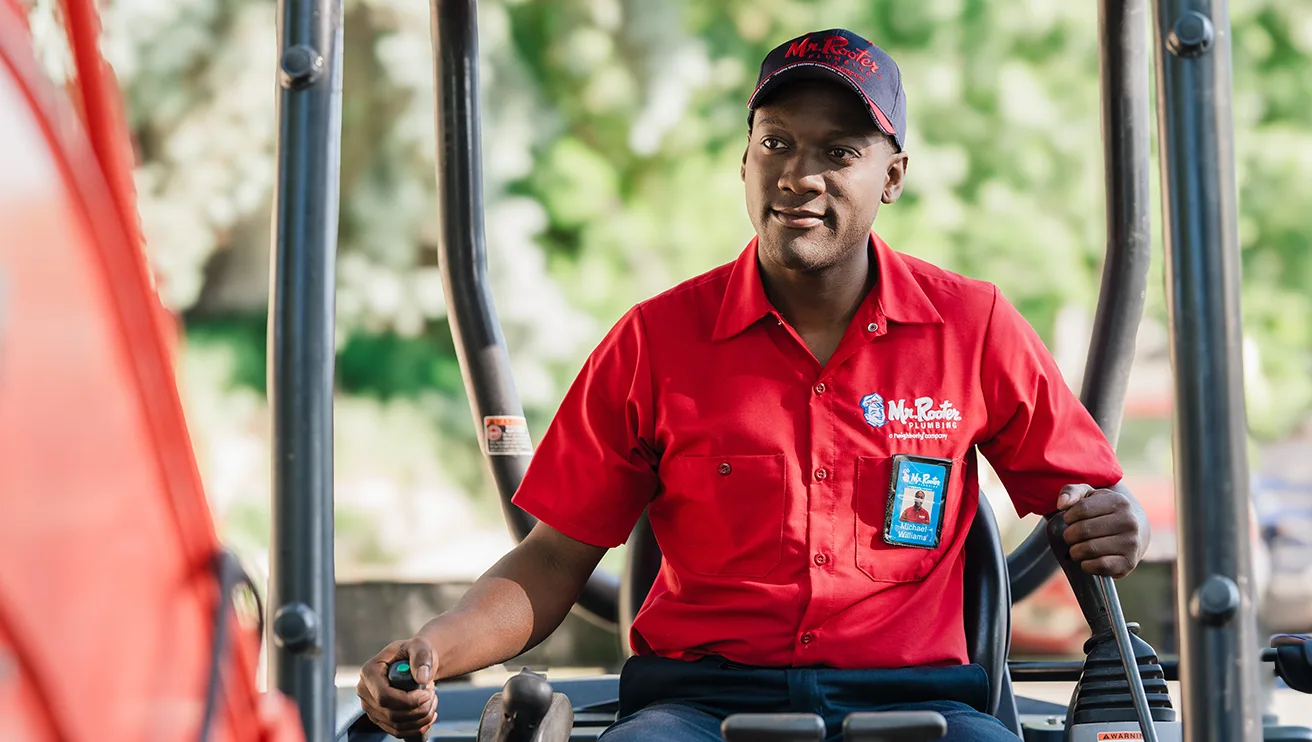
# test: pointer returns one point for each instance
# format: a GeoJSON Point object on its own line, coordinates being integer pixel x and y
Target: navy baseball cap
{"type": "Point", "coordinates": [839, 54]}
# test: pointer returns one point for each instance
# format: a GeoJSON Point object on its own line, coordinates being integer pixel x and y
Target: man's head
{"type": "Point", "coordinates": [920, 498]}
{"type": "Point", "coordinates": [826, 131]}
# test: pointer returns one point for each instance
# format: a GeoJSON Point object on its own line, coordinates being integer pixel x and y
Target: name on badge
{"type": "Point", "coordinates": [917, 496]}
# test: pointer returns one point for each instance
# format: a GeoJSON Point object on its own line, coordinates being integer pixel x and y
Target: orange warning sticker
{"type": "Point", "coordinates": [506, 436]}
{"type": "Point", "coordinates": [1119, 735]}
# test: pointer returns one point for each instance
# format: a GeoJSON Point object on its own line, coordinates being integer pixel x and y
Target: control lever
{"type": "Point", "coordinates": [773, 728]}
{"type": "Point", "coordinates": [525, 701]}
{"type": "Point", "coordinates": [399, 676]}
{"type": "Point", "coordinates": [894, 726]}
{"type": "Point", "coordinates": [1292, 656]}
{"type": "Point", "coordinates": [1102, 608]}
{"type": "Point", "coordinates": [1091, 599]}
{"type": "Point", "coordinates": [1107, 587]}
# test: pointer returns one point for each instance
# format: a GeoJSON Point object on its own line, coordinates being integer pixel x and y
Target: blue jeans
{"type": "Point", "coordinates": [664, 700]}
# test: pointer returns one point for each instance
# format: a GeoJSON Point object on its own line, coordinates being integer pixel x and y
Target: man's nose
{"type": "Point", "coordinates": [801, 175]}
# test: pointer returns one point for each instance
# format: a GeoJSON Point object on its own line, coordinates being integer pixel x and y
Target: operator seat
{"type": "Point", "coordinates": [987, 602]}
{"type": "Point", "coordinates": [987, 611]}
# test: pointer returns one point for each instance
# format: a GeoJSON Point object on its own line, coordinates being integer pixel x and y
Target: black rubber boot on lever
{"type": "Point", "coordinates": [526, 710]}
{"type": "Point", "coordinates": [1122, 682]}
{"type": "Point", "coordinates": [525, 701]}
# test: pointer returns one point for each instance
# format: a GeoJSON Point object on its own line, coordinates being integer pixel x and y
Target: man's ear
{"type": "Point", "coordinates": [897, 173]}
{"type": "Point", "coordinates": [742, 171]}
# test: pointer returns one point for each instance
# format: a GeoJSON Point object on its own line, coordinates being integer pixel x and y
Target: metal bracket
{"type": "Point", "coordinates": [296, 628]}
{"type": "Point", "coordinates": [1191, 36]}
{"type": "Point", "coordinates": [1215, 601]}
{"type": "Point", "coordinates": [301, 67]}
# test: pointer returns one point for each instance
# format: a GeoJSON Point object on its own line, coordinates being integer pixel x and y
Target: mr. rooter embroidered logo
{"type": "Point", "coordinates": [833, 49]}
{"type": "Point", "coordinates": [924, 414]}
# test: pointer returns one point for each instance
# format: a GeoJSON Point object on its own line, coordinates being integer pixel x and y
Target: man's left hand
{"type": "Point", "coordinates": [1106, 529]}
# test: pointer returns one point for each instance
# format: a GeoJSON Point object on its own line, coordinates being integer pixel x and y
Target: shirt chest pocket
{"type": "Point", "coordinates": [884, 562]}
{"type": "Point", "coordinates": [722, 515]}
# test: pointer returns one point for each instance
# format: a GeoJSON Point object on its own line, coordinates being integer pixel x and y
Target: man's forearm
{"type": "Point", "coordinates": [509, 610]}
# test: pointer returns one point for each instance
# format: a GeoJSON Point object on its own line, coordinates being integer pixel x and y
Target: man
{"type": "Point", "coordinates": [760, 412]}
{"type": "Point", "coordinates": [917, 512]}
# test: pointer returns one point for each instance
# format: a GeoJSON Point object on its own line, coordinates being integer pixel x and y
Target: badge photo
{"type": "Point", "coordinates": [917, 494]}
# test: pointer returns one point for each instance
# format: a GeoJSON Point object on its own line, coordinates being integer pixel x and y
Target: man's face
{"type": "Point", "coordinates": [920, 499]}
{"type": "Point", "coordinates": [816, 170]}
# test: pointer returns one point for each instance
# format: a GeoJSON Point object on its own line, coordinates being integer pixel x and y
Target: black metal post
{"type": "Point", "coordinates": [1216, 609]}
{"type": "Point", "coordinates": [1127, 158]}
{"type": "Point", "coordinates": [301, 661]}
{"type": "Point", "coordinates": [1126, 133]}
{"type": "Point", "coordinates": [462, 258]}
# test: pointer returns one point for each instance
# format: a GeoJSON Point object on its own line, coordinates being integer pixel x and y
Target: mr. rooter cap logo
{"type": "Point", "coordinates": [834, 51]}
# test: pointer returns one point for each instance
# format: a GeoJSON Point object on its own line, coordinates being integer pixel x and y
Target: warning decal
{"type": "Point", "coordinates": [1119, 735]}
{"type": "Point", "coordinates": [506, 436]}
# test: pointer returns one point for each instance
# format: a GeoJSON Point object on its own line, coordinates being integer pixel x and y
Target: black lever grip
{"type": "Point", "coordinates": [1292, 655]}
{"type": "Point", "coordinates": [1102, 610]}
{"type": "Point", "coordinates": [399, 675]}
{"type": "Point", "coordinates": [525, 700]}
{"type": "Point", "coordinates": [1083, 584]}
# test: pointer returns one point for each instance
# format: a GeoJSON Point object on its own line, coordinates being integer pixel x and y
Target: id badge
{"type": "Point", "coordinates": [917, 495]}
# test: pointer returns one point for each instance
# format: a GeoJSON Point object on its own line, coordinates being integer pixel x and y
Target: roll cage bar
{"type": "Point", "coordinates": [1214, 579]}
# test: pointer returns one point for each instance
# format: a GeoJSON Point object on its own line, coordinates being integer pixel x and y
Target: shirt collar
{"type": "Point", "coordinates": [897, 295]}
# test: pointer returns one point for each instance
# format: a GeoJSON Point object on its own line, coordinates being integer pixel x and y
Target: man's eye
{"type": "Point", "coordinates": [772, 143]}
{"type": "Point", "coordinates": [841, 153]}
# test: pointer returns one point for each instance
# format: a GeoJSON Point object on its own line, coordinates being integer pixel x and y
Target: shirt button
{"type": "Point", "coordinates": [807, 638]}
{"type": "Point", "coordinates": [820, 559]}
{"type": "Point", "coordinates": [725, 468]}
{"type": "Point", "coordinates": [820, 388]}
{"type": "Point", "coordinates": [821, 474]}
{"type": "Point", "coordinates": [873, 327]}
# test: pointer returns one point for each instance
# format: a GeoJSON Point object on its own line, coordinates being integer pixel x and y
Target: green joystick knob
{"type": "Point", "coordinates": [399, 677]}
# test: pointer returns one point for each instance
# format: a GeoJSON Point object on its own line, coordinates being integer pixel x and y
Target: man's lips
{"type": "Point", "coordinates": [798, 218]}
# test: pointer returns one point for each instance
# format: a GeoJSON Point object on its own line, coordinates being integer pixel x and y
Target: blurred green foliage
{"type": "Point", "coordinates": [612, 136]}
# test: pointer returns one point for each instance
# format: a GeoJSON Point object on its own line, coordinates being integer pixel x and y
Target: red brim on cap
{"type": "Point", "coordinates": [819, 71]}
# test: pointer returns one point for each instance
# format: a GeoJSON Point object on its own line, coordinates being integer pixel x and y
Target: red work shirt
{"type": "Point", "coordinates": [767, 476]}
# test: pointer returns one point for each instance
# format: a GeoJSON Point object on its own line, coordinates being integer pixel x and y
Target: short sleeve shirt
{"type": "Point", "coordinates": [767, 476]}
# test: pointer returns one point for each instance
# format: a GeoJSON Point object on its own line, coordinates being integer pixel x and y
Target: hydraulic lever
{"type": "Point", "coordinates": [525, 710]}
{"type": "Point", "coordinates": [1292, 656]}
{"type": "Point", "coordinates": [399, 676]}
{"type": "Point", "coordinates": [1112, 603]}
{"type": "Point", "coordinates": [1101, 605]}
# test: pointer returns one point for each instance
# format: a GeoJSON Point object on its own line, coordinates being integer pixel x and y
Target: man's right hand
{"type": "Point", "coordinates": [405, 715]}
{"type": "Point", "coordinates": [516, 604]}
